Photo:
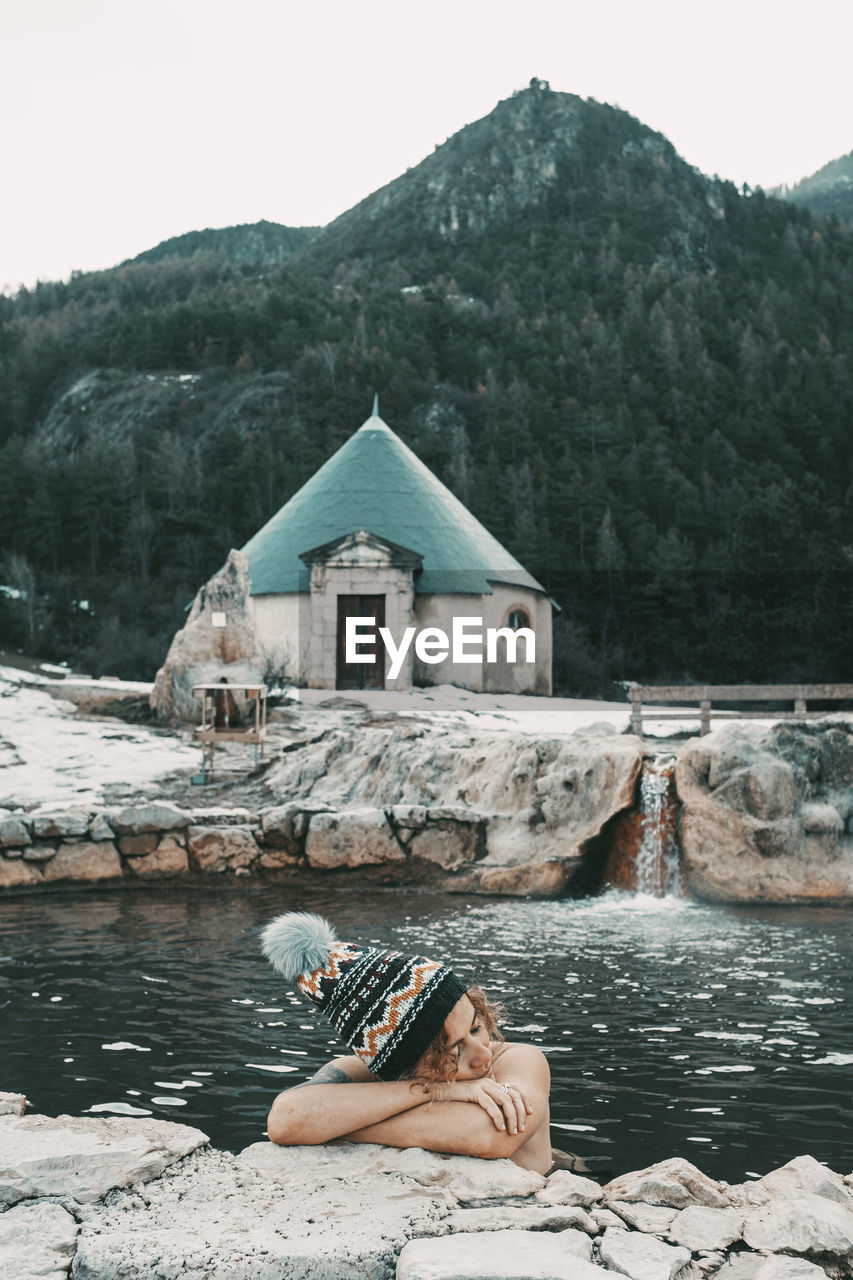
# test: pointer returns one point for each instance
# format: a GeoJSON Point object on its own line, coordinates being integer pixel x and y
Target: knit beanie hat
{"type": "Point", "coordinates": [386, 1006]}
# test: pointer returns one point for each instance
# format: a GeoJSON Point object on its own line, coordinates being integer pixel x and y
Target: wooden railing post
{"type": "Point", "coordinates": [705, 714]}
{"type": "Point", "coordinates": [636, 712]}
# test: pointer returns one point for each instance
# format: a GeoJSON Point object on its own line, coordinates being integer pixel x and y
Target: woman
{"type": "Point", "coordinates": [430, 1068]}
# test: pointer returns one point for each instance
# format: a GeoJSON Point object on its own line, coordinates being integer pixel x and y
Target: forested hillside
{"type": "Point", "coordinates": [637, 377]}
{"type": "Point", "coordinates": [829, 191]}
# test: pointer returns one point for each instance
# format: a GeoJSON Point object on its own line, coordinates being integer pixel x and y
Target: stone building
{"type": "Point", "coordinates": [374, 535]}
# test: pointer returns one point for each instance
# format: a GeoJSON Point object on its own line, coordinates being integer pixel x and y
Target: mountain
{"type": "Point", "coordinates": [255, 242]}
{"type": "Point", "coordinates": [636, 377]}
{"type": "Point", "coordinates": [829, 191]}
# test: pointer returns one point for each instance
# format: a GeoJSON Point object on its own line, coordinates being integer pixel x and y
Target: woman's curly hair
{"type": "Point", "coordinates": [438, 1062]}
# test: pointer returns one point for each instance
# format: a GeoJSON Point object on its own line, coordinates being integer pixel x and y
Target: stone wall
{"type": "Point", "coordinates": [403, 843]}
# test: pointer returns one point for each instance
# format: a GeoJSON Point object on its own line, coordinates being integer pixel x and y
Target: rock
{"type": "Point", "coordinates": [538, 880]}
{"type": "Point", "coordinates": [822, 820]}
{"type": "Point", "coordinates": [37, 1242]}
{"type": "Point", "coordinates": [782, 1267]}
{"type": "Point", "coordinates": [654, 1219]}
{"type": "Point", "coordinates": [202, 653]}
{"type": "Point", "coordinates": [12, 1104]}
{"type": "Point", "coordinates": [801, 1223]}
{"type": "Point", "coordinates": [698, 1227]}
{"type": "Point", "coordinates": [39, 852]}
{"type": "Point", "coordinates": [15, 873]}
{"type": "Point", "coordinates": [220, 849]}
{"type": "Point", "coordinates": [804, 1174]}
{"type": "Point", "coordinates": [447, 836]}
{"type": "Point", "coordinates": [675, 1183]}
{"type": "Point", "coordinates": [100, 829]}
{"type": "Point", "coordinates": [83, 1158]}
{"type": "Point", "coordinates": [643, 1257]}
{"type": "Point", "coordinates": [604, 1218]}
{"type": "Point", "coordinates": [137, 846]}
{"type": "Point", "coordinates": [84, 862]}
{"type": "Point", "coordinates": [740, 1266]}
{"type": "Point", "coordinates": [526, 1218]}
{"type": "Point", "coordinates": [285, 826]}
{"type": "Point", "coordinates": [168, 859]}
{"type": "Point", "coordinates": [764, 813]}
{"type": "Point", "coordinates": [215, 1216]}
{"type": "Point", "coordinates": [156, 817]}
{"type": "Point", "coordinates": [766, 789]}
{"type": "Point", "coordinates": [354, 838]}
{"type": "Point", "coordinates": [465, 1177]}
{"type": "Point", "coordinates": [69, 822]}
{"type": "Point", "coordinates": [541, 801]}
{"type": "Point", "coordinates": [14, 833]}
{"type": "Point", "coordinates": [564, 1187]}
{"type": "Point", "coordinates": [224, 817]}
{"type": "Point", "coordinates": [498, 1255]}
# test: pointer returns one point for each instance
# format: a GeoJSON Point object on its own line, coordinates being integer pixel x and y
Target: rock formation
{"type": "Point", "coordinates": [217, 640]}
{"type": "Point", "coordinates": [768, 813]}
{"type": "Point", "coordinates": [142, 1198]}
{"type": "Point", "coordinates": [518, 813]}
{"type": "Point", "coordinates": [474, 813]}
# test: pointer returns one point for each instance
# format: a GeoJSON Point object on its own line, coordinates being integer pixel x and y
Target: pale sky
{"type": "Point", "coordinates": [126, 122]}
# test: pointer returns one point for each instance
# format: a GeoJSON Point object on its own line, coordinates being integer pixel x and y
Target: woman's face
{"type": "Point", "coordinates": [468, 1041]}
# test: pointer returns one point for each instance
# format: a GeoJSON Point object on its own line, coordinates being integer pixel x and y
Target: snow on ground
{"type": "Point", "coordinates": [51, 754]}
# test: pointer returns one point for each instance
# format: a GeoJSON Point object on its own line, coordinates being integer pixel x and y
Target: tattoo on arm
{"type": "Point", "coordinates": [328, 1074]}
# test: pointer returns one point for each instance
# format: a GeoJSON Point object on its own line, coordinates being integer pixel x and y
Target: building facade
{"type": "Point", "coordinates": [374, 535]}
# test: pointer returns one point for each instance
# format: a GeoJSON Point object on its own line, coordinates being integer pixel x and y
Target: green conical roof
{"type": "Point", "coordinates": [375, 482]}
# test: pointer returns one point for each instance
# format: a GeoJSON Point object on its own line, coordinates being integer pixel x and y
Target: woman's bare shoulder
{"type": "Point", "coordinates": [513, 1058]}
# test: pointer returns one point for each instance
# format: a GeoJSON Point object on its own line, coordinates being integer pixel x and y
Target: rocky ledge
{"type": "Point", "coordinates": [98, 1198]}
{"type": "Point", "coordinates": [767, 813]}
{"type": "Point", "coordinates": [471, 813]}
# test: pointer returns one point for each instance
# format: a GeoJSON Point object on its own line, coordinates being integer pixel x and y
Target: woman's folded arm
{"type": "Point", "coordinates": [342, 1097]}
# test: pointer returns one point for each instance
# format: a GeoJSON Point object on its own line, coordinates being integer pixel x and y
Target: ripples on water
{"type": "Point", "coordinates": [672, 1028]}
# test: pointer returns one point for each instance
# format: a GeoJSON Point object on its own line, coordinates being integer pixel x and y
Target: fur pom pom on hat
{"type": "Point", "coordinates": [386, 1006]}
{"type": "Point", "coordinates": [297, 943]}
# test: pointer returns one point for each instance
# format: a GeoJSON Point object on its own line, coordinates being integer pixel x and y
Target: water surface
{"type": "Point", "coordinates": [672, 1028]}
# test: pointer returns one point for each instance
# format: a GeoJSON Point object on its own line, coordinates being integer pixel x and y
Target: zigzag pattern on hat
{"type": "Point", "coordinates": [311, 983]}
{"type": "Point", "coordinates": [397, 1008]}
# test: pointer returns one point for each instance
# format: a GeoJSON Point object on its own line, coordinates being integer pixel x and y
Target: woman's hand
{"type": "Point", "coordinates": [506, 1104]}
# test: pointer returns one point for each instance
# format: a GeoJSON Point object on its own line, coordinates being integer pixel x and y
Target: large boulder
{"type": "Point", "coordinates": [477, 806]}
{"type": "Point", "coordinates": [201, 652]}
{"type": "Point", "coordinates": [768, 813]}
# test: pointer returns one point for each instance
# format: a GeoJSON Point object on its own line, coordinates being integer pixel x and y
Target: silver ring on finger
{"type": "Point", "coordinates": [504, 1088]}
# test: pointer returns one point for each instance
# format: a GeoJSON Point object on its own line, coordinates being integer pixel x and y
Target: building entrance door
{"type": "Point", "coordinates": [361, 675]}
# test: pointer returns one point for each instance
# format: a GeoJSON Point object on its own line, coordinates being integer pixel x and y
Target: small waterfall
{"type": "Point", "coordinates": [645, 854]}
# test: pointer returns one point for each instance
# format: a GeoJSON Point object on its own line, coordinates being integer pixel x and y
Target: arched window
{"type": "Point", "coordinates": [517, 619]}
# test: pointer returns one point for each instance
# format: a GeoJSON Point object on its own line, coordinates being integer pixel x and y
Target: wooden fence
{"type": "Point", "coordinates": [706, 695]}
